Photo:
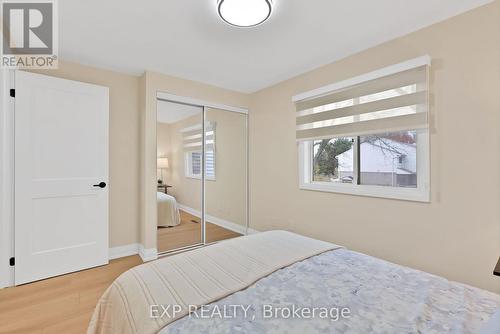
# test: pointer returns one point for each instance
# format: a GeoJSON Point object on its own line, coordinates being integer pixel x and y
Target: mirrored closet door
{"type": "Point", "coordinates": [226, 174]}
{"type": "Point", "coordinates": [179, 161]}
{"type": "Point", "coordinates": [202, 175]}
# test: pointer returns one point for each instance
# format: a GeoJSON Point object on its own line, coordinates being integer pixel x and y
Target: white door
{"type": "Point", "coordinates": [61, 156]}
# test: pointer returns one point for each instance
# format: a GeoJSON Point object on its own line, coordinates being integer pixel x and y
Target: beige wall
{"type": "Point", "coordinates": [225, 197]}
{"type": "Point", "coordinates": [151, 83]}
{"type": "Point", "coordinates": [164, 149]}
{"type": "Point", "coordinates": [457, 235]}
{"type": "Point", "coordinates": [123, 146]}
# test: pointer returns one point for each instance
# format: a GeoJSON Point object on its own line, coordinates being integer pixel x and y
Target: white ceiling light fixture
{"type": "Point", "coordinates": [244, 13]}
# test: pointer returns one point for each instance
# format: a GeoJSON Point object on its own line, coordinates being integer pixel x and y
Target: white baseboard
{"type": "Point", "coordinates": [220, 222]}
{"type": "Point", "coordinates": [148, 254]}
{"type": "Point", "coordinates": [189, 210]}
{"type": "Point", "coordinates": [122, 251]}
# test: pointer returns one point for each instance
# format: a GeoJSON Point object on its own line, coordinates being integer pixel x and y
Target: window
{"type": "Point", "coordinates": [210, 165]}
{"type": "Point", "coordinates": [367, 135]}
{"type": "Point", "coordinates": [193, 164]}
{"type": "Point", "coordinates": [388, 159]}
{"type": "Point", "coordinates": [193, 142]}
{"type": "Point", "coordinates": [333, 160]}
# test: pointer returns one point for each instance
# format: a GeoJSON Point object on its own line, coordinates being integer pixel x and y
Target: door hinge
{"type": "Point", "coordinates": [12, 92]}
{"type": "Point", "coordinates": [12, 261]}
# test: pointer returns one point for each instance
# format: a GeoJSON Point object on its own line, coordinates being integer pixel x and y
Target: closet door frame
{"type": "Point", "coordinates": [205, 105]}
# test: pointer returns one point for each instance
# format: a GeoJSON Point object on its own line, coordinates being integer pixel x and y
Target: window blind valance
{"type": "Point", "coordinates": [192, 137]}
{"type": "Point", "coordinates": [392, 99]}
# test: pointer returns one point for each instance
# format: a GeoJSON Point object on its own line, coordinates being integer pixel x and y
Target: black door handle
{"type": "Point", "coordinates": [100, 185]}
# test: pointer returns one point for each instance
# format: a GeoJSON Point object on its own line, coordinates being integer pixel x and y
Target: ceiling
{"type": "Point", "coordinates": [186, 38]}
{"type": "Point", "coordinates": [169, 112]}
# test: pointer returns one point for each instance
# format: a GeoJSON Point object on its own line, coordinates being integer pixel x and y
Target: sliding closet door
{"type": "Point", "coordinates": [225, 174]}
{"type": "Point", "coordinates": [179, 174]}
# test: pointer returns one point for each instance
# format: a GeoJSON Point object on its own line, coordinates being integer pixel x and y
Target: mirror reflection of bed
{"type": "Point", "coordinates": [180, 181]}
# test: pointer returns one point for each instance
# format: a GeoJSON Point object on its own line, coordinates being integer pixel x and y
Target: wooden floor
{"type": "Point", "coordinates": [64, 304]}
{"type": "Point", "coordinates": [188, 233]}
{"type": "Point", "coordinates": [59, 305]}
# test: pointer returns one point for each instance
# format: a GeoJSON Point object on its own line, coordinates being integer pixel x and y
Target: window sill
{"type": "Point", "coordinates": [404, 194]}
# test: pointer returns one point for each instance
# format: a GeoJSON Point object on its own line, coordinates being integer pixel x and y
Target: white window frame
{"type": "Point", "coordinates": [419, 194]}
{"type": "Point", "coordinates": [188, 170]}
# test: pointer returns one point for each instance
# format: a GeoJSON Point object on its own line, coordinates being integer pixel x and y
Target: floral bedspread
{"type": "Point", "coordinates": [342, 291]}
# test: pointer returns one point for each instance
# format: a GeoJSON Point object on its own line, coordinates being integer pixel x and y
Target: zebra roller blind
{"type": "Point", "coordinates": [192, 137]}
{"type": "Point", "coordinates": [192, 141]}
{"type": "Point", "coordinates": [392, 99]}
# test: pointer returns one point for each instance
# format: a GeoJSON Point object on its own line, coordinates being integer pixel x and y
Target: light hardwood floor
{"type": "Point", "coordinates": [59, 305]}
{"type": "Point", "coordinates": [64, 304]}
{"type": "Point", "coordinates": [188, 233]}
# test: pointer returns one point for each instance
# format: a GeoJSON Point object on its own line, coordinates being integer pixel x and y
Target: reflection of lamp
{"type": "Point", "coordinates": [161, 164]}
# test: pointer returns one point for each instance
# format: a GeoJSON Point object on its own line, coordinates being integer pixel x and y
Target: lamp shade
{"type": "Point", "coordinates": [162, 163]}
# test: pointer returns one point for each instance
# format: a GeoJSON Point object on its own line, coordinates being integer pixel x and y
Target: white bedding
{"type": "Point", "coordinates": [195, 278]}
{"type": "Point", "coordinates": [168, 210]}
{"type": "Point", "coordinates": [381, 297]}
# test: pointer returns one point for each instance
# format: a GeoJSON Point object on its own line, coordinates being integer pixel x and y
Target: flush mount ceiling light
{"type": "Point", "coordinates": [244, 13]}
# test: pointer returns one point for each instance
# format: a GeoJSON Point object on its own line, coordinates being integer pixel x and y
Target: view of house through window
{"type": "Point", "coordinates": [388, 159]}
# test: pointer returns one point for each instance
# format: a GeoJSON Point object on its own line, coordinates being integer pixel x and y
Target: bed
{"type": "Point", "coordinates": [168, 210]}
{"type": "Point", "coordinates": [280, 282]}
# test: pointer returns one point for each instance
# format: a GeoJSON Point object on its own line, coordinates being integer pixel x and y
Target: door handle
{"type": "Point", "coordinates": [100, 185]}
